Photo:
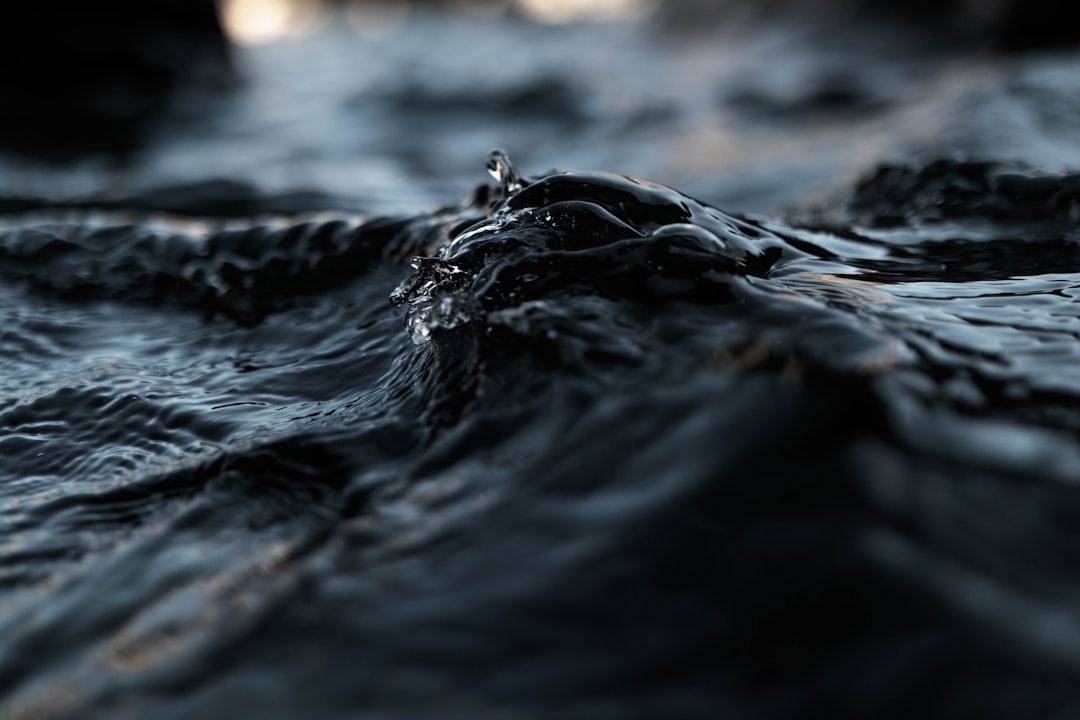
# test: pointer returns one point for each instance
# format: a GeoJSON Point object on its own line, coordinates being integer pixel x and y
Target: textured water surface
{"type": "Point", "coordinates": [578, 445]}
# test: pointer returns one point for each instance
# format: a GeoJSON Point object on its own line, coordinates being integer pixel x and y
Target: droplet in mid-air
{"type": "Point", "coordinates": [500, 167]}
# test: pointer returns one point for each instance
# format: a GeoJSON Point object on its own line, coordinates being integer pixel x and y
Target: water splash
{"type": "Point", "coordinates": [500, 167]}
{"type": "Point", "coordinates": [579, 232]}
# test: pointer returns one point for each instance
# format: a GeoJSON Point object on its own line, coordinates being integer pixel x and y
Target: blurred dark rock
{"type": "Point", "coordinates": [1037, 24]}
{"type": "Point", "coordinates": [91, 75]}
{"type": "Point", "coordinates": [1009, 25]}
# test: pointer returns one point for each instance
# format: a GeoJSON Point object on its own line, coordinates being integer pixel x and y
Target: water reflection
{"type": "Point", "coordinates": [253, 22]}
{"type": "Point", "coordinates": [560, 11]}
{"type": "Point", "coordinates": [256, 22]}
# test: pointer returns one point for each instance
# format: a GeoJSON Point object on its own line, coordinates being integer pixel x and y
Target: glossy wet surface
{"type": "Point", "coordinates": [580, 446]}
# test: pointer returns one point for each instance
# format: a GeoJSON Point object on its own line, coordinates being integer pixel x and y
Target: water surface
{"type": "Point", "coordinates": [316, 441]}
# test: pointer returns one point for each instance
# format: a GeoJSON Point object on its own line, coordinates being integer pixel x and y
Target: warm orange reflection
{"type": "Point", "coordinates": [252, 22]}
{"type": "Point", "coordinates": [558, 11]}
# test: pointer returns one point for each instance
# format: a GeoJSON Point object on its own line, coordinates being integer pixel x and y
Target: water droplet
{"type": "Point", "coordinates": [500, 167]}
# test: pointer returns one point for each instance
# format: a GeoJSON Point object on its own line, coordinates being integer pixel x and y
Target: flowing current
{"type": "Point", "coordinates": [579, 446]}
{"type": "Point", "coordinates": [605, 445]}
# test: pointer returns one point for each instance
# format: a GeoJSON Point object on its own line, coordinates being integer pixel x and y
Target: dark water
{"type": "Point", "coordinates": [579, 446]}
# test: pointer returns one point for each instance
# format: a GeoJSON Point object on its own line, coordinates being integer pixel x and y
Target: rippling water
{"type": "Point", "coordinates": [578, 446]}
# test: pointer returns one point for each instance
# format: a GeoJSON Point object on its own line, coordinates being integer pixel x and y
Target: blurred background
{"type": "Point", "coordinates": [383, 106]}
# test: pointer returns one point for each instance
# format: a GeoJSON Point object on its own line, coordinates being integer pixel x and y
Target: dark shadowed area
{"type": "Point", "coordinates": [314, 405]}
